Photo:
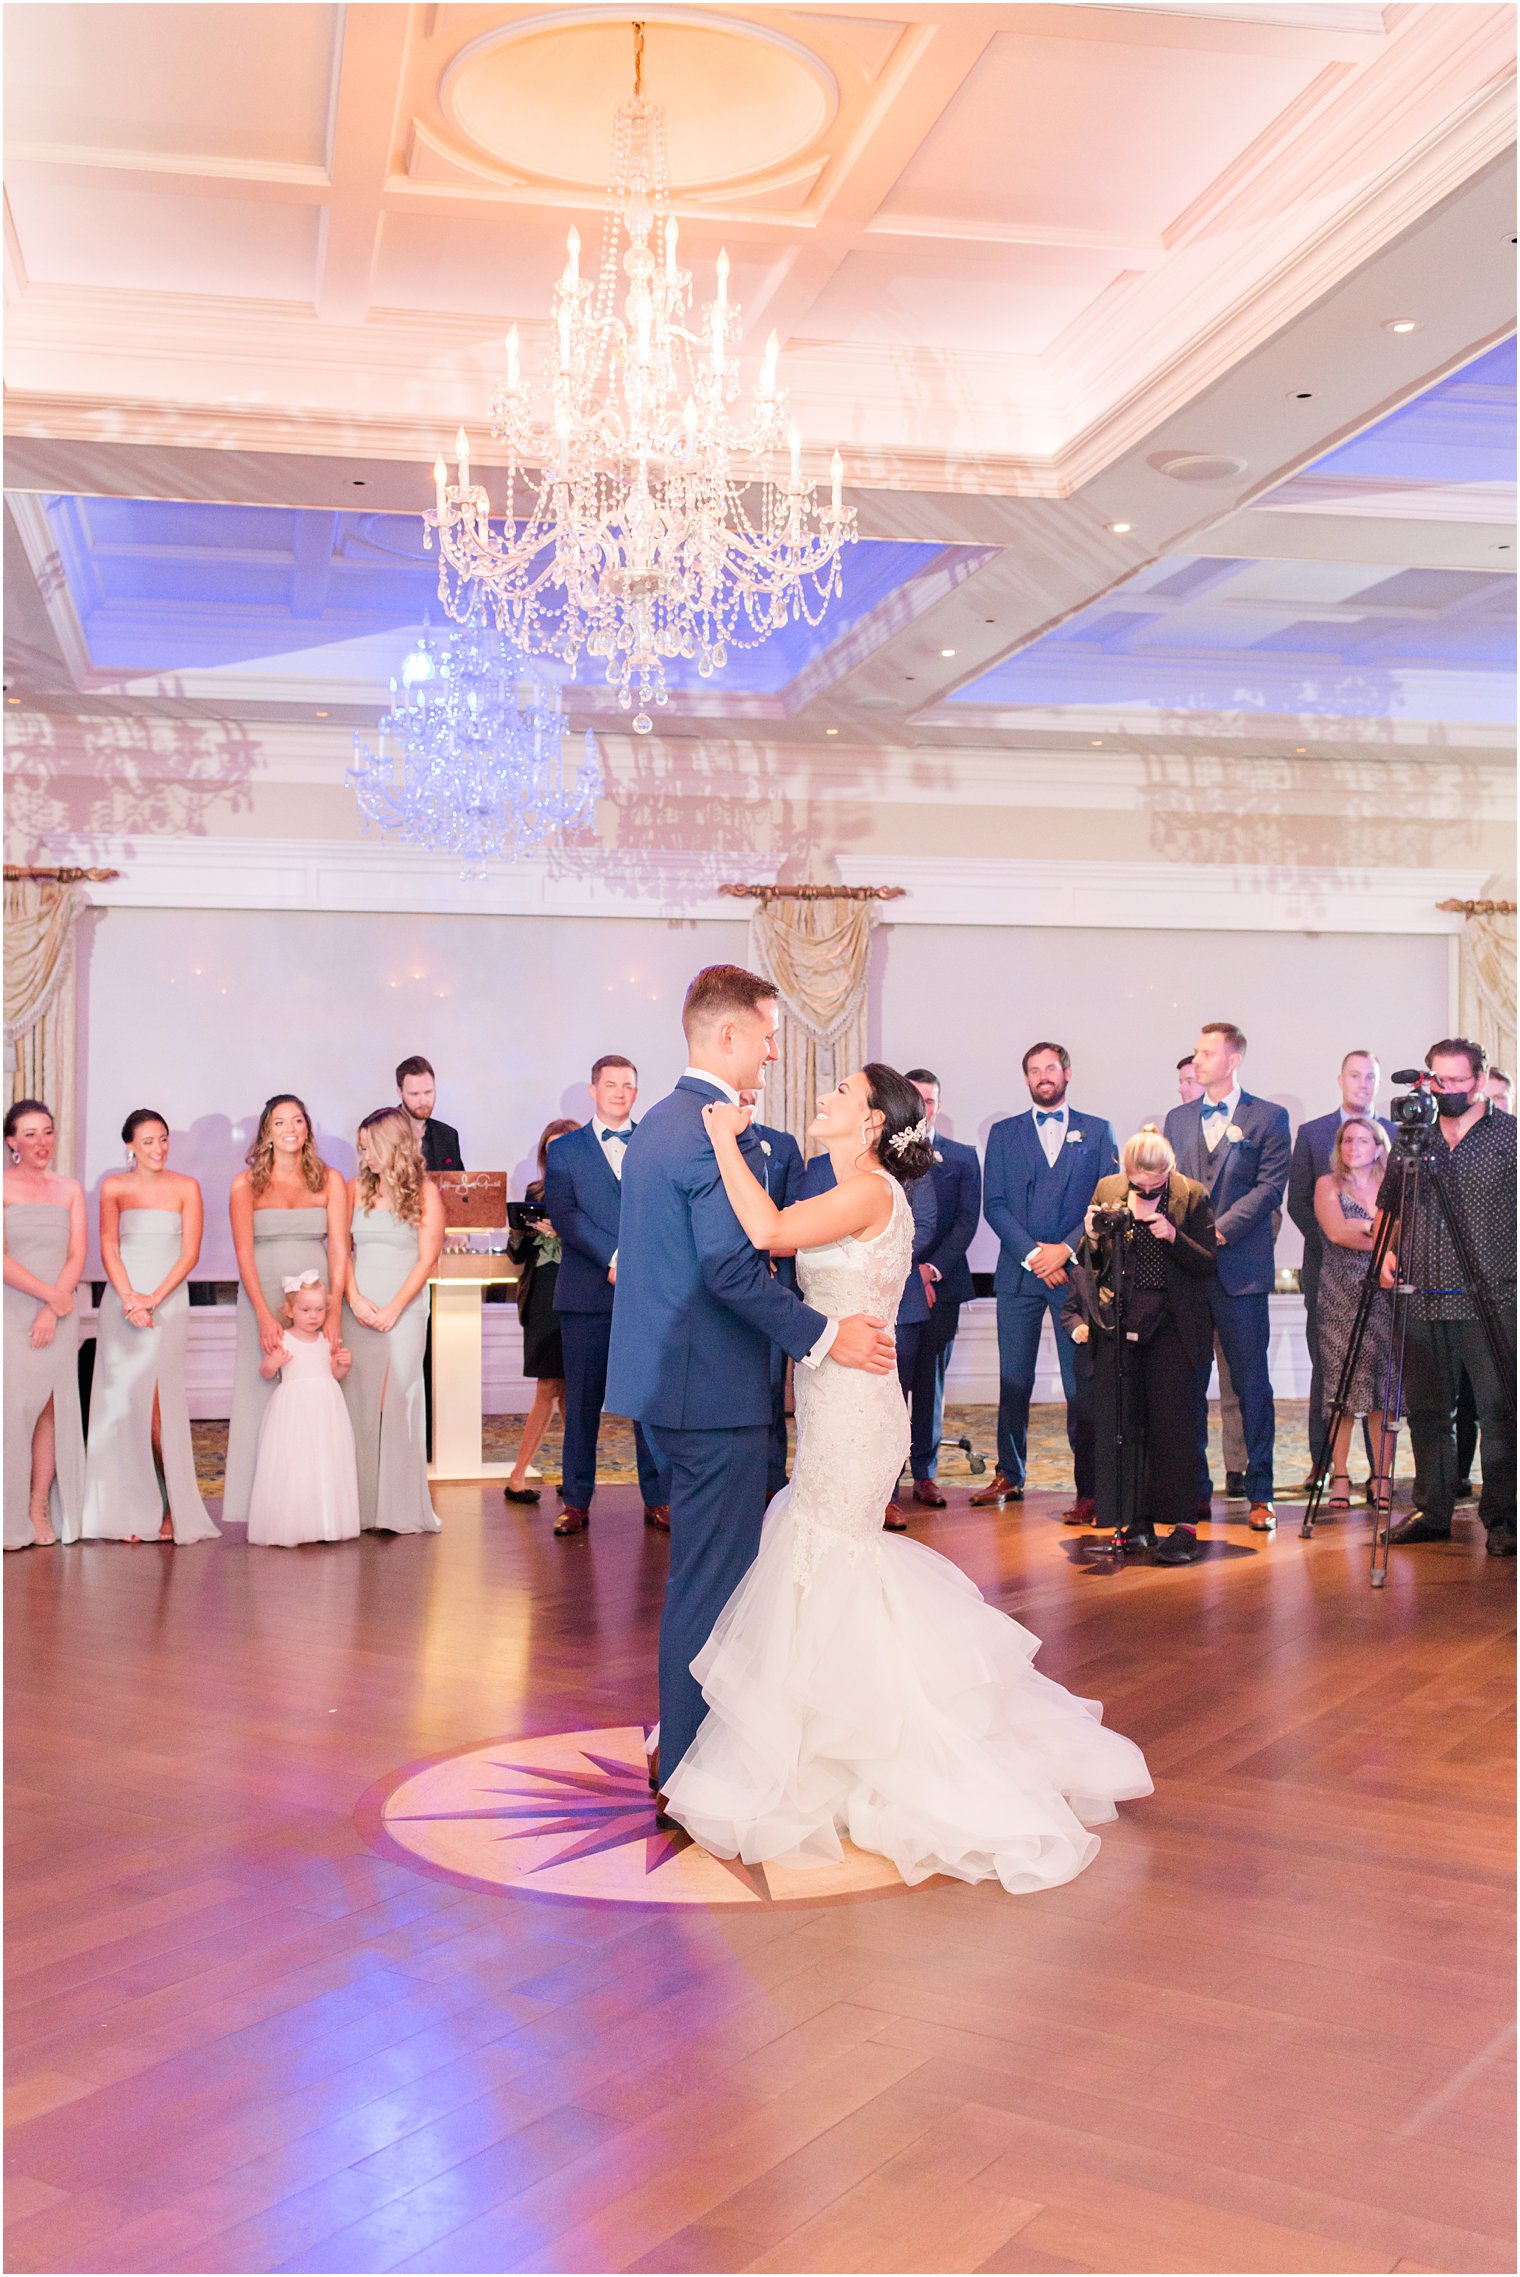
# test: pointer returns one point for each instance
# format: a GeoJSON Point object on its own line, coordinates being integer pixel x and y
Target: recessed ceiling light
{"type": "Point", "coordinates": [1121, 529]}
{"type": "Point", "coordinates": [1097, 743]}
{"type": "Point", "coordinates": [321, 715]}
{"type": "Point", "coordinates": [1300, 750]}
{"type": "Point", "coordinates": [947, 652]}
{"type": "Point", "coordinates": [1400, 324]}
{"type": "Point", "coordinates": [831, 731]}
{"type": "Point", "coordinates": [13, 699]}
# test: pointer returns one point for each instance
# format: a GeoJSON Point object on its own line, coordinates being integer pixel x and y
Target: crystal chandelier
{"type": "Point", "coordinates": [476, 765]}
{"type": "Point", "coordinates": [644, 516]}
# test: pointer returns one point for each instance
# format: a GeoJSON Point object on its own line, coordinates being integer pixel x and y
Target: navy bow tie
{"type": "Point", "coordinates": [1215, 1107]}
{"type": "Point", "coordinates": [1056, 1115]}
{"type": "Point", "coordinates": [622, 1136]}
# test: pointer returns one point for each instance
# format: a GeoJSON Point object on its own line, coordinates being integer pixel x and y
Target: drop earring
{"type": "Point", "coordinates": [131, 1159]}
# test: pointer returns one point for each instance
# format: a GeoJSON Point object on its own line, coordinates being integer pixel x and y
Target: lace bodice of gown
{"type": "Point", "coordinates": [852, 1428]}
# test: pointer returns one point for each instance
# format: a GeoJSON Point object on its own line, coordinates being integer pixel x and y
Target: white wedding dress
{"type": "Point", "coordinates": [860, 1686]}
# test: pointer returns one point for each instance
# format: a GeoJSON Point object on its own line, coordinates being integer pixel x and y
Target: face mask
{"type": "Point", "coordinates": [1453, 1103]}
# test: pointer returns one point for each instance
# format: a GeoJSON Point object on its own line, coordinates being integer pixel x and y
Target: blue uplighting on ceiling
{"type": "Point", "coordinates": [161, 586]}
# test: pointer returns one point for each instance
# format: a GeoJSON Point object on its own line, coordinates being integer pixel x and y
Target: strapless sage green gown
{"type": "Point", "coordinates": [384, 1386]}
{"type": "Point", "coordinates": [37, 1236]}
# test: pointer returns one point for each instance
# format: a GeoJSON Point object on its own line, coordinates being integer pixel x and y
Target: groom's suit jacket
{"type": "Point", "coordinates": [696, 1308]}
{"type": "Point", "coordinates": [1244, 1179]}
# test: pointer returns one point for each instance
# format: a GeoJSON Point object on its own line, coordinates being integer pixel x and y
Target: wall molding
{"type": "Point", "coordinates": [339, 876]}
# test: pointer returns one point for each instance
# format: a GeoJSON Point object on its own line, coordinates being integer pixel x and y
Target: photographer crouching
{"type": "Point", "coordinates": [1139, 1308]}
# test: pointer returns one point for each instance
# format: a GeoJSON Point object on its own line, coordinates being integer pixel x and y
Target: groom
{"type": "Point", "coordinates": [695, 1313]}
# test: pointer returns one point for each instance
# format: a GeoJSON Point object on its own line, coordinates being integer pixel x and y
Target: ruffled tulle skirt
{"type": "Point", "coordinates": [884, 1701]}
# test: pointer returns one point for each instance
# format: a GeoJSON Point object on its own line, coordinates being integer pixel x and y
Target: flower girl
{"type": "Point", "coordinates": [305, 1484]}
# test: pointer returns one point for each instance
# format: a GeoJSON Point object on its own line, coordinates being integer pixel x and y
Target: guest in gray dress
{"type": "Point", "coordinates": [46, 1239]}
{"type": "Point", "coordinates": [289, 1215]}
{"type": "Point", "coordinates": [1345, 1205]}
{"type": "Point", "coordinates": [150, 1240]}
{"type": "Point", "coordinates": [397, 1220]}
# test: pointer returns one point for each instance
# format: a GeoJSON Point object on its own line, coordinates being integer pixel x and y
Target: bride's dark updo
{"type": "Point", "coordinates": [902, 1109]}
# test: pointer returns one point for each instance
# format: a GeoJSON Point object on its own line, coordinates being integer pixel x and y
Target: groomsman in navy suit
{"type": "Point", "coordinates": [780, 1171]}
{"type": "Point", "coordinates": [957, 1179]}
{"type": "Point", "coordinates": [916, 1305]}
{"type": "Point", "coordinates": [1238, 1148]}
{"type": "Point", "coordinates": [583, 1199]}
{"type": "Point", "coordinates": [1311, 1162]}
{"type": "Point", "coordinates": [1042, 1167]}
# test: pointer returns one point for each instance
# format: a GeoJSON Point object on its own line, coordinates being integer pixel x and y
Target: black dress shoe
{"type": "Point", "coordinates": [1464, 1491]}
{"type": "Point", "coordinates": [1179, 1547]}
{"type": "Point", "coordinates": [1234, 1486]}
{"type": "Point", "coordinates": [520, 1493]}
{"type": "Point", "coordinates": [1418, 1528]}
{"type": "Point", "coordinates": [1501, 1541]}
{"type": "Point", "coordinates": [1133, 1538]}
{"type": "Point", "coordinates": [573, 1521]}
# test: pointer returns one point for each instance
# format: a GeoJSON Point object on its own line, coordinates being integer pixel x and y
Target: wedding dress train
{"type": "Point", "coordinates": [859, 1686]}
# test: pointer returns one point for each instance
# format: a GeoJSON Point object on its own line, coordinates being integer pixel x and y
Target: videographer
{"type": "Point", "coordinates": [1140, 1306]}
{"type": "Point", "coordinates": [1472, 1152]}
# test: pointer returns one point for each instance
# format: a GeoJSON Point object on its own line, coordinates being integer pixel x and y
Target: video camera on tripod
{"type": "Point", "coordinates": [1415, 1113]}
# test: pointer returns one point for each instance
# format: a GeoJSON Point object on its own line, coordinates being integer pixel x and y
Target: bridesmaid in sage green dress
{"type": "Point", "coordinates": [150, 1242]}
{"type": "Point", "coordinates": [289, 1215]}
{"type": "Point", "coordinates": [397, 1219]}
{"type": "Point", "coordinates": [46, 1240]}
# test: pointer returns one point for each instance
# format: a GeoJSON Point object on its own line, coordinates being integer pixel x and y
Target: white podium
{"type": "Point", "coordinates": [459, 1286]}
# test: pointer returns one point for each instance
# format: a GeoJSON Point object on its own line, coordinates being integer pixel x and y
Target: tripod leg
{"type": "Point", "coordinates": [1339, 1405]}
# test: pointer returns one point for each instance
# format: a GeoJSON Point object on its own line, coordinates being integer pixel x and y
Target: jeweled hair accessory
{"type": "Point", "coordinates": [294, 1283]}
{"type": "Point", "coordinates": [918, 1136]}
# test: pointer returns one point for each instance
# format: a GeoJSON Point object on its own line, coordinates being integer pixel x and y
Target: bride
{"type": "Point", "coordinates": [857, 1684]}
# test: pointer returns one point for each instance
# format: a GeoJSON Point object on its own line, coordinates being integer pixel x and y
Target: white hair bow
{"type": "Point", "coordinates": [293, 1284]}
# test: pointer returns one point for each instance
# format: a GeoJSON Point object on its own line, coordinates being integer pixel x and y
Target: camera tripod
{"type": "Point", "coordinates": [1420, 1187]}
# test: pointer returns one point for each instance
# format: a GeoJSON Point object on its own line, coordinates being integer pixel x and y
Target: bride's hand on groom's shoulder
{"type": "Point", "coordinates": [720, 1115]}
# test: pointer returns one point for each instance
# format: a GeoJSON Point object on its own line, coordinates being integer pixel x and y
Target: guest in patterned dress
{"type": "Point", "coordinates": [1345, 1207]}
{"type": "Point", "coordinates": [536, 1252]}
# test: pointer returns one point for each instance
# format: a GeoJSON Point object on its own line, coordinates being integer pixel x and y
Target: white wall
{"type": "Point", "coordinates": [201, 1014]}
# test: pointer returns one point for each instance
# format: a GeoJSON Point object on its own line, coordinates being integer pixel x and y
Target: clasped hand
{"type": "Point", "coordinates": [722, 1115]}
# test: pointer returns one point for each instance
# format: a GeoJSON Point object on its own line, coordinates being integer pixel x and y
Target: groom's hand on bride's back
{"type": "Point", "coordinates": [862, 1342]}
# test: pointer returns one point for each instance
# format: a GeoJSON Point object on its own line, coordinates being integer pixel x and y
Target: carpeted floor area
{"type": "Point", "coordinates": [1049, 1456]}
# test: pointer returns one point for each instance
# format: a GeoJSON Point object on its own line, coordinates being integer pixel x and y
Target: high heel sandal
{"type": "Point", "coordinates": [1339, 1500]}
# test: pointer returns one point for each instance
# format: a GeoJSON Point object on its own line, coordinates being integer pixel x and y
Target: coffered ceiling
{"type": "Point", "coordinates": [1042, 271]}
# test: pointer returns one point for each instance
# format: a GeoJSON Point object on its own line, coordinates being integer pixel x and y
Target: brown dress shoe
{"type": "Point", "coordinates": [654, 1770]}
{"type": "Point", "coordinates": [1083, 1512]}
{"type": "Point", "coordinates": [926, 1492]}
{"type": "Point", "coordinates": [896, 1521]}
{"type": "Point", "coordinates": [993, 1496]}
{"type": "Point", "coordinates": [1263, 1518]}
{"type": "Point", "coordinates": [572, 1521]}
{"type": "Point", "coordinates": [657, 1514]}
{"type": "Point", "coordinates": [662, 1817]}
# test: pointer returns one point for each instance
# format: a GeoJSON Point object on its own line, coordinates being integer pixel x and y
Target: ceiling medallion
{"type": "Point", "coordinates": [643, 515]}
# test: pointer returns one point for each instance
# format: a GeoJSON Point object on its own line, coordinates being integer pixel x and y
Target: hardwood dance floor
{"type": "Point", "coordinates": [1267, 2030]}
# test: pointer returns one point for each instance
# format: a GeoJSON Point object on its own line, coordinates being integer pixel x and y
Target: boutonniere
{"type": "Point", "coordinates": [1234, 1134]}
{"type": "Point", "coordinates": [1074, 1138]}
{"type": "Point", "coordinates": [765, 1146]}
{"type": "Point", "coordinates": [938, 1156]}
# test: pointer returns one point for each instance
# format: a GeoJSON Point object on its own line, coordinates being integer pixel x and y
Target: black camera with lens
{"type": "Point", "coordinates": [1413, 1113]}
{"type": "Point", "coordinates": [1115, 1219]}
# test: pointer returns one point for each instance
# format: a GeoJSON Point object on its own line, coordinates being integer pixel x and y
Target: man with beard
{"type": "Point", "coordinates": [1042, 1167]}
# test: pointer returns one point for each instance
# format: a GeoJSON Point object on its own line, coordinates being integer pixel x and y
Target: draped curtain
{"type": "Point", "coordinates": [817, 952]}
{"type": "Point", "coordinates": [1486, 988]}
{"type": "Point", "coordinates": [40, 917]}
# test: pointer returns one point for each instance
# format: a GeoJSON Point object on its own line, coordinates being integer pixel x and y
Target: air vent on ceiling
{"type": "Point", "coordinates": [1197, 466]}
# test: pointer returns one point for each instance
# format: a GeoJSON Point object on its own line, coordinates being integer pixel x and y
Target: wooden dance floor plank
{"type": "Point", "coordinates": [1268, 2030]}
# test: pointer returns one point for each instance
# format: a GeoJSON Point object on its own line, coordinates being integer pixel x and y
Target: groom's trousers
{"type": "Point", "coordinates": [717, 1502]}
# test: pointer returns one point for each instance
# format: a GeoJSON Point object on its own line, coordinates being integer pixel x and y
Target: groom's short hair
{"type": "Point", "coordinates": [721, 991]}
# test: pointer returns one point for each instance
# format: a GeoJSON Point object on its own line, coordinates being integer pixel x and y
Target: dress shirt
{"type": "Point", "coordinates": [933, 1271]}
{"type": "Point", "coordinates": [1052, 1132]}
{"type": "Point", "coordinates": [825, 1342]}
{"type": "Point", "coordinates": [615, 1148]}
{"type": "Point", "coordinates": [1215, 1125]}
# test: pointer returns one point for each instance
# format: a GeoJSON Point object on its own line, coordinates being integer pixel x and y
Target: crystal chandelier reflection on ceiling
{"type": "Point", "coordinates": [476, 764]}
{"type": "Point", "coordinates": [646, 518]}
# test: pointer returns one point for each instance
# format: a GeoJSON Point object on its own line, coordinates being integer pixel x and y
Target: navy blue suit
{"type": "Point", "coordinates": [1027, 1200]}
{"type": "Point", "coordinates": [583, 1201]}
{"type": "Point", "coordinates": [780, 1167]}
{"type": "Point", "coordinates": [1244, 1180]}
{"type": "Point", "coordinates": [914, 1310]}
{"type": "Point", "coordinates": [1311, 1162]}
{"type": "Point", "coordinates": [957, 1178]}
{"type": "Point", "coordinates": [695, 1313]}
